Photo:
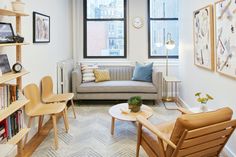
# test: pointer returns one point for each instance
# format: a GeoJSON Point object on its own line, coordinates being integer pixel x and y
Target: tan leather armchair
{"type": "Point", "coordinates": [192, 135]}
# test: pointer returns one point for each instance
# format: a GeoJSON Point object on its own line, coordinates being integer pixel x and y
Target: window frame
{"type": "Point", "coordinates": [150, 19]}
{"type": "Point", "coordinates": [85, 20]}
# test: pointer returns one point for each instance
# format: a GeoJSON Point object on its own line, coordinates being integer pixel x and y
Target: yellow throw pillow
{"type": "Point", "coordinates": [101, 75]}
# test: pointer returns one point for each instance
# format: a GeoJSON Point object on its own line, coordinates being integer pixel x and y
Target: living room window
{"type": "Point", "coordinates": [163, 20]}
{"type": "Point", "coordinates": [105, 28]}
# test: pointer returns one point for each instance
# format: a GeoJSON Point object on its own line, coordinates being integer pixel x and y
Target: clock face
{"type": "Point", "coordinates": [137, 22]}
{"type": "Point", "coordinates": [17, 67]}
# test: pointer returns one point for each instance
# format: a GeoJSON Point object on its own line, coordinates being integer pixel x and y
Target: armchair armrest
{"type": "Point", "coordinates": [76, 79]}
{"type": "Point", "coordinates": [184, 110]}
{"type": "Point", "coordinates": [157, 82]}
{"type": "Point", "coordinates": [154, 130]}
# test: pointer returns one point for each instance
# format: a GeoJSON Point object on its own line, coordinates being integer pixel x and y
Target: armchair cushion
{"type": "Point", "coordinates": [194, 121]}
{"type": "Point", "coordinates": [151, 139]}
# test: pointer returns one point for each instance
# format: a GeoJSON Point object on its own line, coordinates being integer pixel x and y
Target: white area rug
{"type": "Point", "coordinates": [89, 134]}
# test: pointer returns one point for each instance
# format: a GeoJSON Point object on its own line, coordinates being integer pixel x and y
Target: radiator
{"type": "Point", "coordinates": [64, 79]}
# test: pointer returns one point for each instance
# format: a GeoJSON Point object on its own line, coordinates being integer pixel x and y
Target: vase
{"type": "Point", "coordinates": [134, 108]}
{"type": "Point", "coordinates": [18, 6]}
{"type": "Point", "coordinates": [204, 107]}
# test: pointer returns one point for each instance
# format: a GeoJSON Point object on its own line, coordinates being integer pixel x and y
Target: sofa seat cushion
{"type": "Point", "coordinates": [117, 87]}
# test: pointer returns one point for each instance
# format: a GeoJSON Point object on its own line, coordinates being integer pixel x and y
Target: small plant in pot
{"type": "Point", "coordinates": [135, 103]}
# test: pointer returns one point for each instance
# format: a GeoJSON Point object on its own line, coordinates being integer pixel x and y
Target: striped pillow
{"type": "Point", "coordinates": [101, 75]}
{"type": "Point", "coordinates": [87, 72]}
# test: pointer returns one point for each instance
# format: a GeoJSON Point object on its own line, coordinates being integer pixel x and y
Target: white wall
{"type": "Point", "coordinates": [137, 40]}
{"type": "Point", "coordinates": [196, 79]}
{"type": "Point", "coordinates": [41, 59]}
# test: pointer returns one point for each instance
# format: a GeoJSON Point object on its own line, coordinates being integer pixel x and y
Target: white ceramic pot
{"type": "Point", "coordinates": [18, 6]}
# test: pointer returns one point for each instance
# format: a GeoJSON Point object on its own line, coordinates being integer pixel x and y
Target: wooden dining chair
{"type": "Point", "coordinates": [48, 96]}
{"type": "Point", "coordinates": [192, 135]}
{"type": "Point", "coordinates": [35, 108]}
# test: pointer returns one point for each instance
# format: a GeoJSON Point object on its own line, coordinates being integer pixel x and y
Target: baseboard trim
{"type": "Point", "coordinates": [226, 151]}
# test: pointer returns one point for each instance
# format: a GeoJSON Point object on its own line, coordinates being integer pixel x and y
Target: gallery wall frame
{"type": "Point", "coordinates": [203, 37]}
{"type": "Point", "coordinates": [225, 37]}
{"type": "Point", "coordinates": [41, 28]}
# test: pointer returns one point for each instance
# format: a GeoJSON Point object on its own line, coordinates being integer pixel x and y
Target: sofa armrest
{"type": "Point", "coordinates": [157, 81]}
{"type": "Point", "coordinates": [76, 79]}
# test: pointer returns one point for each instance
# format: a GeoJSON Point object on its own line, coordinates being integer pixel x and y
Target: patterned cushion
{"type": "Point", "coordinates": [101, 75]}
{"type": "Point", "coordinates": [87, 72]}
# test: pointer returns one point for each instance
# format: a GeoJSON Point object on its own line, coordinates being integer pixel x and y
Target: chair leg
{"type": "Point", "coordinates": [54, 121]}
{"type": "Point", "coordinates": [29, 125]}
{"type": "Point", "coordinates": [40, 123]}
{"type": "Point", "coordinates": [64, 112]}
{"type": "Point", "coordinates": [73, 107]}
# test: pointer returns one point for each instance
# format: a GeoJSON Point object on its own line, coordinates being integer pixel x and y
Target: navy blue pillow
{"type": "Point", "coordinates": [143, 72]}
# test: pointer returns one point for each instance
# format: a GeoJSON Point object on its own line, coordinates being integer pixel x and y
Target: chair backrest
{"type": "Point", "coordinates": [46, 87]}
{"type": "Point", "coordinates": [201, 134]}
{"type": "Point", "coordinates": [31, 92]}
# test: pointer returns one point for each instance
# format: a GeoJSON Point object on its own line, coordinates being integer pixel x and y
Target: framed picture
{"type": "Point", "coordinates": [6, 33]}
{"type": "Point", "coordinates": [203, 32]}
{"type": "Point", "coordinates": [41, 28]}
{"type": "Point", "coordinates": [225, 28]}
{"type": "Point", "coordinates": [4, 64]}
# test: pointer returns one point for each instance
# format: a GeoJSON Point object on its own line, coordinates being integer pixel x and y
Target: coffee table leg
{"type": "Point", "coordinates": [112, 125]}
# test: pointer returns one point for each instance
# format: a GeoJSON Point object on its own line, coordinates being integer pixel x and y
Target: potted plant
{"type": "Point", "coordinates": [203, 100]}
{"type": "Point", "coordinates": [135, 103]}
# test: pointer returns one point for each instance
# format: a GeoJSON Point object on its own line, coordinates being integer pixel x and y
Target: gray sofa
{"type": "Point", "coordinates": [120, 87]}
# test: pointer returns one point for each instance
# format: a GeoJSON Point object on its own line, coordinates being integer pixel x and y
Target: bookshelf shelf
{"type": "Point", "coordinates": [12, 108]}
{"type": "Point", "coordinates": [6, 12]}
{"type": "Point", "coordinates": [14, 44]}
{"type": "Point", "coordinates": [18, 137]}
{"type": "Point", "coordinates": [11, 76]}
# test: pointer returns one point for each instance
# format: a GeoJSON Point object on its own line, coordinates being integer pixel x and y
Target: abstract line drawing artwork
{"type": "Point", "coordinates": [203, 32]}
{"type": "Point", "coordinates": [225, 15]}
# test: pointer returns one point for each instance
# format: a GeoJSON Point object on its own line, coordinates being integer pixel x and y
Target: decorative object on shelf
{"type": "Point", "coordinates": [6, 33]}
{"type": "Point", "coordinates": [18, 6]}
{"type": "Point", "coordinates": [41, 28]}
{"type": "Point", "coordinates": [225, 37]}
{"type": "Point", "coordinates": [18, 38]}
{"type": "Point", "coordinates": [3, 5]}
{"type": "Point", "coordinates": [4, 64]}
{"type": "Point", "coordinates": [203, 33]}
{"type": "Point", "coordinates": [203, 100]}
{"type": "Point", "coordinates": [135, 103]}
{"type": "Point", "coordinates": [17, 67]}
{"type": "Point", "coordinates": [170, 44]}
{"type": "Point", "coordinates": [138, 22]}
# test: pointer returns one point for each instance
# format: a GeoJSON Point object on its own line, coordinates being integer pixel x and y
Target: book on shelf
{"type": "Point", "coordinates": [10, 126]}
{"type": "Point", "coordinates": [8, 94]}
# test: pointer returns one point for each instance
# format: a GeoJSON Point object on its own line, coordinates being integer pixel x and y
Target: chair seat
{"type": "Point", "coordinates": [59, 97]}
{"type": "Point", "coordinates": [47, 109]}
{"type": "Point", "coordinates": [166, 128]}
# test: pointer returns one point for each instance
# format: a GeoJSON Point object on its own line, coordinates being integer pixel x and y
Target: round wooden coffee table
{"type": "Point", "coordinates": [116, 113]}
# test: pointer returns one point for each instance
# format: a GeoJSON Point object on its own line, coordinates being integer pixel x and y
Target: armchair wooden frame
{"type": "Point", "coordinates": [204, 141]}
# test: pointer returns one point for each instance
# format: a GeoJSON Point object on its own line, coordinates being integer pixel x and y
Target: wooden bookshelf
{"type": "Point", "coordinates": [6, 12]}
{"type": "Point", "coordinates": [14, 44]}
{"type": "Point", "coordinates": [16, 139]}
{"type": "Point", "coordinates": [11, 76]}
{"type": "Point", "coordinates": [16, 105]}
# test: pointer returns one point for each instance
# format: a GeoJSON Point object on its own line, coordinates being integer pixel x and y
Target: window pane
{"type": "Point", "coordinates": [159, 30]}
{"type": "Point", "coordinates": [105, 38]}
{"type": "Point", "coordinates": [101, 9]}
{"type": "Point", "coordinates": [164, 8]}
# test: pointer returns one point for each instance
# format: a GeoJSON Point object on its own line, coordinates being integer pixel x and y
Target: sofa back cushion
{"type": "Point", "coordinates": [119, 72]}
{"type": "Point", "coordinates": [195, 121]}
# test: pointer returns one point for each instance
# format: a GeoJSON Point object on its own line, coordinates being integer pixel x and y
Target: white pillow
{"type": "Point", "coordinates": [87, 72]}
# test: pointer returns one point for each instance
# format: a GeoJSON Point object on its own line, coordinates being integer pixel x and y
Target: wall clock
{"type": "Point", "coordinates": [138, 22]}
